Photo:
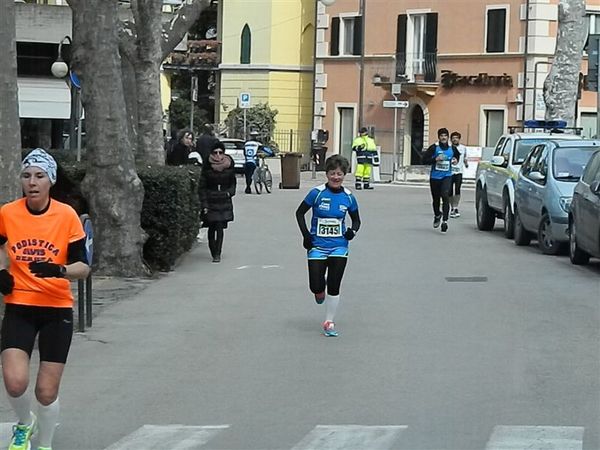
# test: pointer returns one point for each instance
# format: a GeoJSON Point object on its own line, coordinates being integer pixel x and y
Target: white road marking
{"type": "Point", "coordinates": [242, 267]}
{"type": "Point", "coordinates": [173, 437]}
{"type": "Point", "coordinates": [272, 266]}
{"type": "Point", "coordinates": [535, 438]}
{"type": "Point", "coordinates": [350, 437]}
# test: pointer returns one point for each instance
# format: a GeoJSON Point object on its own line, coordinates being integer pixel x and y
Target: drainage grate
{"type": "Point", "coordinates": [466, 279]}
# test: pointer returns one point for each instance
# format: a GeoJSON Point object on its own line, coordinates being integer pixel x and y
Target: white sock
{"type": "Point", "coordinates": [331, 303]}
{"type": "Point", "coordinates": [47, 420]}
{"type": "Point", "coordinates": [22, 406]}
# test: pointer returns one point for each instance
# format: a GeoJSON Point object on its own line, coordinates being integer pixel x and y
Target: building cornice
{"type": "Point", "coordinates": [264, 68]}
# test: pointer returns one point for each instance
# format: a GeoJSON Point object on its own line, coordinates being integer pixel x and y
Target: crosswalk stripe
{"type": "Point", "coordinates": [173, 437]}
{"type": "Point", "coordinates": [350, 437]}
{"type": "Point", "coordinates": [535, 438]}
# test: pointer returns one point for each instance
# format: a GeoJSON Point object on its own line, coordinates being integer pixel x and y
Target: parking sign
{"type": "Point", "coordinates": [245, 100]}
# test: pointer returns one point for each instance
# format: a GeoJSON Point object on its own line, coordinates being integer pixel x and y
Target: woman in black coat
{"type": "Point", "coordinates": [217, 187]}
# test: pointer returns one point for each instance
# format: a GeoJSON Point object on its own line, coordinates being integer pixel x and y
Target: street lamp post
{"type": "Point", "coordinates": [60, 69]}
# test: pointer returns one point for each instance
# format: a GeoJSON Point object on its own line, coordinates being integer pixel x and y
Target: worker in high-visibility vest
{"type": "Point", "coordinates": [366, 152]}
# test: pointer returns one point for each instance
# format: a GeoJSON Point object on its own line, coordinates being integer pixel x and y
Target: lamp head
{"type": "Point", "coordinates": [59, 69]}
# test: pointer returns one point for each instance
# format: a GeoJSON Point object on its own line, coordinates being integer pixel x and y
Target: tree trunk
{"type": "Point", "coordinates": [111, 184]}
{"type": "Point", "coordinates": [146, 50]}
{"type": "Point", "coordinates": [10, 129]}
{"type": "Point", "coordinates": [130, 91]}
{"type": "Point", "coordinates": [561, 85]}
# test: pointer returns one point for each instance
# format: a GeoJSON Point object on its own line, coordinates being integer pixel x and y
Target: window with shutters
{"type": "Point", "coordinates": [416, 45]}
{"type": "Point", "coordinates": [496, 29]}
{"type": "Point", "coordinates": [346, 36]}
{"type": "Point", "coordinates": [246, 45]}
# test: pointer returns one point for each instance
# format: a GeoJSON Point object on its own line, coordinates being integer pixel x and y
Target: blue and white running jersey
{"type": "Point", "coordinates": [442, 169]}
{"type": "Point", "coordinates": [329, 209]}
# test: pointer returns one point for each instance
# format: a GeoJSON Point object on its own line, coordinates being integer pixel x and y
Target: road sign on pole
{"type": "Point", "coordinates": [245, 100]}
{"type": "Point", "coordinates": [395, 104]}
{"type": "Point", "coordinates": [396, 88]}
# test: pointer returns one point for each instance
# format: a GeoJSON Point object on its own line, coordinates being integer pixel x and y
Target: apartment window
{"type": "Point", "coordinates": [346, 36]}
{"type": "Point", "coordinates": [416, 45]}
{"type": "Point", "coordinates": [246, 45]}
{"type": "Point", "coordinates": [494, 126]}
{"type": "Point", "coordinates": [594, 23]}
{"type": "Point", "coordinates": [496, 30]}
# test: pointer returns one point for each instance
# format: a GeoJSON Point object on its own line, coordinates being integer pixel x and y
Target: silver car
{"type": "Point", "coordinates": [235, 149]}
{"type": "Point", "coordinates": [544, 191]}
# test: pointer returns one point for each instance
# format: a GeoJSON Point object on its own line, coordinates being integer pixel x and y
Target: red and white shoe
{"type": "Point", "coordinates": [329, 329]}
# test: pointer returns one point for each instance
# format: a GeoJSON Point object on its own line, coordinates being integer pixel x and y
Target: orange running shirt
{"type": "Point", "coordinates": [44, 237]}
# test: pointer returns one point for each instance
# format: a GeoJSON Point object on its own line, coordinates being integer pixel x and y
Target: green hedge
{"type": "Point", "coordinates": [170, 212]}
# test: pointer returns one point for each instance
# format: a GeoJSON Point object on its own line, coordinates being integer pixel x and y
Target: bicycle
{"type": "Point", "coordinates": [262, 176]}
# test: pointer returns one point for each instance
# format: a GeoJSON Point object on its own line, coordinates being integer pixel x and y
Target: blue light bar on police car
{"type": "Point", "coordinates": [546, 124]}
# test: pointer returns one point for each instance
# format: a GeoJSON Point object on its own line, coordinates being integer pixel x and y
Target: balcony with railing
{"type": "Point", "coordinates": [200, 55]}
{"type": "Point", "coordinates": [417, 67]}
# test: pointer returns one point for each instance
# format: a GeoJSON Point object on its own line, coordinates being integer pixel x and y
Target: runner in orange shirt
{"type": "Point", "coordinates": [42, 247]}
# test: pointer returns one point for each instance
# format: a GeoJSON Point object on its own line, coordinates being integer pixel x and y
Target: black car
{"type": "Point", "coordinates": [584, 216]}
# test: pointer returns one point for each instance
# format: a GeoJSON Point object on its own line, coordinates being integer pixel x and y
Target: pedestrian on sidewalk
{"type": "Point", "coordinates": [42, 247]}
{"type": "Point", "coordinates": [327, 240]}
{"type": "Point", "coordinates": [251, 150]}
{"type": "Point", "coordinates": [441, 156]}
{"type": "Point", "coordinates": [206, 142]}
{"type": "Point", "coordinates": [366, 151]}
{"type": "Point", "coordinates": [217, 188]}
{"type": "Point", "coordinates": [458, 170]}
{"type": "Point", "coordinates": [179, 153]}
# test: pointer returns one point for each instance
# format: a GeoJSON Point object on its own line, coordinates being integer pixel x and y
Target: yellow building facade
{"type": "Point", "coordinates": [267, 51]}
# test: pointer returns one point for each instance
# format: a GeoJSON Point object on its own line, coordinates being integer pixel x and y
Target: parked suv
{"type": "Point", "coordinates": [584, 218]}
{"type": "Point", "coordinates": [496, 177]}
{"type": "Point", "coordinates": [544, 191]}
{"type": "Point", "coordinates": [235, 149]}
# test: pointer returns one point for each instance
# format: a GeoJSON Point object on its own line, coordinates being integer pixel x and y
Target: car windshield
{"type": "Point", "coordinates": [522, 148]}
{"type": "Point", "coordinates": [569, 162]}
{"type": "Point", "coordinates": [234, 145]}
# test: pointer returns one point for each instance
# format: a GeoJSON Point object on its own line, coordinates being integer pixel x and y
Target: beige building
{"type": "Point", "coordinates": [462, 64]}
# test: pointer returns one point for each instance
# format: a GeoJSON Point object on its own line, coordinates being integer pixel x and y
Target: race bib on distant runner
{"type": "Point", "coordinates": [455, 169]}
{"type": "Point", "coordinates": [329, 227]}
{"type": "Point", "coordinates": [442, 166]}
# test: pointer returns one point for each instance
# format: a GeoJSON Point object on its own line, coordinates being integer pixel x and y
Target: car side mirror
{"type": "Point", "coordinates": [498, 161]}
{"type": "Point", "coordinates": [595, 188]}
{"type": "Point", "coordinates": [537, 176]}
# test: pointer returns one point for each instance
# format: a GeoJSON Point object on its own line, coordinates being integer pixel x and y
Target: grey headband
{"type": "Point", "coordinates": [40, 158]}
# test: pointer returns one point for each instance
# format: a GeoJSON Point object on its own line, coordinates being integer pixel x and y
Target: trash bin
{"type": "Point", "coordinates": [290, 171]}
{"type": "Point", "coordinates": [318, 156]}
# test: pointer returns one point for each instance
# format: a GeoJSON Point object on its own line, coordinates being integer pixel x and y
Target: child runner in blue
{"type": "Point", "coordinates": [327, 240]}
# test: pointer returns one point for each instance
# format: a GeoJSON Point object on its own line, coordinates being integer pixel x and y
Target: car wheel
{"type": "Point", "coordinates": [522, 236]}
{"type": "Point", "coordinates": [509, 221]}
{"type": "Point", "coordinates": [485, 215]}
{"type": "Point", "coordinates": [546, 241]}
{"type": "Point", "coordinates": [576, 255]}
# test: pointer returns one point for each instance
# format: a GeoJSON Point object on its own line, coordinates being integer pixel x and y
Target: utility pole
{"type": "Point", "coordinates": [361, 87]}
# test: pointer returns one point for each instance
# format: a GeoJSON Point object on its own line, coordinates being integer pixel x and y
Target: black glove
{"type": "Point", "coordinates": [7, 282]}
{"type": "Point", "coordinates": [349, 234]}
{"type": "Point", "coordinates": [46, 270]}
{"type": "Point", "coordinates": [307, 242]}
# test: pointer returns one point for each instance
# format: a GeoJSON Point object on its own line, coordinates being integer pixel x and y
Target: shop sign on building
{"type": "Point", "coordinates": [451, 79]}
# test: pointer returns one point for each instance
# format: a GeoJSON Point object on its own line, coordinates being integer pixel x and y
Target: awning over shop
{"type": "Point", "coordinates": [44, 98]}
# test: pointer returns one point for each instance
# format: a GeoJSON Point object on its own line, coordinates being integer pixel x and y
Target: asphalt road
{"type": "Point", "coordinates": [455, 341]}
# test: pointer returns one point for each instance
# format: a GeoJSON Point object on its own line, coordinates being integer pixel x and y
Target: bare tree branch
{"type": "Point", "coordinates": [174, 31]}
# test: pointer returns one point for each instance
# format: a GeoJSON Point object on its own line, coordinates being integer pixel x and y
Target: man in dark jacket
{"type": "Point", "coordinates": [206, 142]}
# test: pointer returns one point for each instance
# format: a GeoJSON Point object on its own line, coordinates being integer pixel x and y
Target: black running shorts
{"type": "Point", "coordinates": [22, 323]}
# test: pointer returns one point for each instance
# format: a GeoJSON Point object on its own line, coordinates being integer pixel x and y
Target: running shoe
{"type": "Point", "coordinates": [21, 439]}
{"type": "Point", "coordinates": [436, 221]}
{"type": "Point", "coordinates": [320, 297]}
{"type": "Point", "coordinates": [248, 190]}
{"type": "Point", "coordinates": [444, 226]}
{"type": "Point", "coordinates": [329, 329]}
{"type": "Point", "coordinates": [456, 213]}
{"type": "Point", "coordinates": [452, 214]}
